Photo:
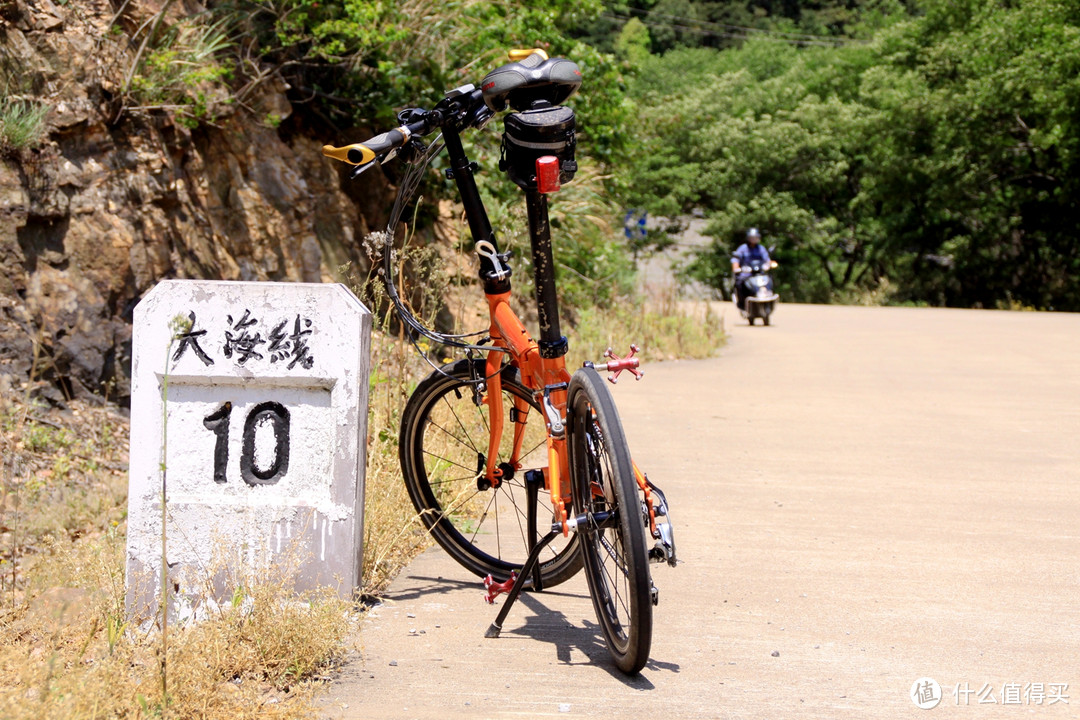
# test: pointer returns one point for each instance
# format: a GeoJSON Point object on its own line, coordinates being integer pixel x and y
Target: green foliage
{"type": "Point", "coordinates": [335, 30]}
{"type": "Point", "coordinates": [386, 56]}
{"type": "Point", "coordinates": [633, 42]}
{"type": "Point", "coordinates": [184, 70]}
{"type": "Point", "coordinates": [357, 63]}
{"type": "Point", "coordinates": [674, 24]}
{"type": "Point", "coordinates": [941, 155]}
{"type": "Point", "coordinates": [593, 267]}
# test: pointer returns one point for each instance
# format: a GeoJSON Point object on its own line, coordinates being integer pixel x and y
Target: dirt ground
{"type": "Point", "coordinates": [863, 497]}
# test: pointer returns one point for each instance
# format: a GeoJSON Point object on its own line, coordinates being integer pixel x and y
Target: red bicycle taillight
{"type": "Point", "coordinates": [547, 174]}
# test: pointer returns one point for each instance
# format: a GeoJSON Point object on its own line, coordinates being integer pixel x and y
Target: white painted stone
{"type": "Point", "coordinates": [303, 348]}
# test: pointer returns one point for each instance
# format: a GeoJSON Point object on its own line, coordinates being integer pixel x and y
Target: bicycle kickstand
{"type": "Point", "coordinates": [519, 583]}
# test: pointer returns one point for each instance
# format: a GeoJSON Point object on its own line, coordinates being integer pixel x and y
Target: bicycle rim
{"type": "Point", "coordinates": [443, 447]}
{"type": "Point", "coordinates": [613, 551]}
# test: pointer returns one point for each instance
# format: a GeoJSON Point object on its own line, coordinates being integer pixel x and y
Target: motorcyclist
{"type": "Point", "coordinates": [750, 251]}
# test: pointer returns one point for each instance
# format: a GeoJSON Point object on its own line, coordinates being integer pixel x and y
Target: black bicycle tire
{"type": "Point", "coordinates": [591, 409]}
{"type": "Point", "coordinates": [564, 565]}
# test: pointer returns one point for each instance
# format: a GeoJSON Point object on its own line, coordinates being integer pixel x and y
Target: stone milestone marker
{"type": "Point", "coordinates": [266, 437]}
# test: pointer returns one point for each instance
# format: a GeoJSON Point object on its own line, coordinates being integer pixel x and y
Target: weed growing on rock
{"type": "Point", "coordinates": [23, 124]}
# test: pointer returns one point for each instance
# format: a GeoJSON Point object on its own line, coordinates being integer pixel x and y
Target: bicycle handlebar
{"type": "Point", "coordinates": [376, 147]}
{"type": "Point", "coordinates": [462, 107]}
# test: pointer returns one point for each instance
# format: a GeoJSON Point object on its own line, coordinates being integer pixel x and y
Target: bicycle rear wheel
{"type": "Point", "coordinates": [443, 446]}
{"type": "Point", "coordinates": [613, 538]}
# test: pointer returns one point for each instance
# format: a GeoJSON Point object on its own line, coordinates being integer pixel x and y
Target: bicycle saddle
{"type": "Point", "coordinates": [529, 81]}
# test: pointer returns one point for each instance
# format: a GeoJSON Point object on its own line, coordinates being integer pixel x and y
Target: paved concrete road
{"type": "Point", "coordinates": [863, 497]}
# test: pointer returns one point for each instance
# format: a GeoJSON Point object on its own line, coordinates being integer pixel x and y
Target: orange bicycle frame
{"type": "Point", "coordinates": [547, 378]}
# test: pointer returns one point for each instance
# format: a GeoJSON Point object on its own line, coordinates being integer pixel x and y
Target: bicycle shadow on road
{"type": "Point", "coordinates": [429, 586]}
{"type": "Point", "coordinates": [445, 586]}
{"type": "Point", "coordinates": [553, 626]}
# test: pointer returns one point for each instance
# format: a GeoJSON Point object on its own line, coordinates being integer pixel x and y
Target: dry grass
{"type": "Point", "coordinates": [67, 652]}
{"type": "Point", "coordinates": [393, 534]}
{"type": "Point", "coordinates": [661, 325]}
{"type": "Point", "coordinates": [63, 477]}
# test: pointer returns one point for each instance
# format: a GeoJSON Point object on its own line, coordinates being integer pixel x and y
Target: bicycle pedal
{"type": "Point", "coordinates": [655, 593]}
{"type": "Point", "coordinates": [495, 589]}
{"type": "Point", "coordinates": [616, 365]}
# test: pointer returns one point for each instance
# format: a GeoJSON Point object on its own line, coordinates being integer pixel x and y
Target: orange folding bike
{"type": "Point", "coordinates": [485, 438]}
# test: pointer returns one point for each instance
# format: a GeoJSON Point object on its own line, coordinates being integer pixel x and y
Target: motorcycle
{"type": "Point", "coordinates": [757, 289]}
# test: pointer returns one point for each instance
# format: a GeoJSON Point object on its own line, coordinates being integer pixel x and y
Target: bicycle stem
{"type": "Point", "coordinates": [461, 170]}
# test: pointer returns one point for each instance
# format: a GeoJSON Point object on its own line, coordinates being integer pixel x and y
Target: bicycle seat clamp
{"type": "Point", "coordinates": [486, 249]}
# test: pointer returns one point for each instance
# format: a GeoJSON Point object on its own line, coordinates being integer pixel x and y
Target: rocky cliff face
{"type": "Point", "coordinates": [94, 216]}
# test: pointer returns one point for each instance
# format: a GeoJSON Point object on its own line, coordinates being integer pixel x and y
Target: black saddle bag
{"type": "Point", "coordinates": [533, 134]}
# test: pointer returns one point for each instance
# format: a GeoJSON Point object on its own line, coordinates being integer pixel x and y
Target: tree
{"type": "Point", "coordinates": [940, 155]}
{"type": "Point", "coordinates": [632, 44]}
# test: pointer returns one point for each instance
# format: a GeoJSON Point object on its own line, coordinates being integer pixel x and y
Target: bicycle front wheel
{"type": "Point", "coordinates": [443, 448]}
{"type": "Point", "coordinates": [613, 536]}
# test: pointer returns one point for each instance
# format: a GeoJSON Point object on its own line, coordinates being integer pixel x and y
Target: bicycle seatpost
{"type": "Point", "coordinates": [552, 343]}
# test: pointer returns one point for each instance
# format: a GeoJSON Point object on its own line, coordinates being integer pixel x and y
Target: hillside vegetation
{"type": "Point", "coordinates": [925, 152]}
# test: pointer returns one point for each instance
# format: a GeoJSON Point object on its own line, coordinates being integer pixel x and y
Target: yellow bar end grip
{"type": "Point", "coordinates": [519, 55]}
{"type": "Point", "coordinates": [342, 153]}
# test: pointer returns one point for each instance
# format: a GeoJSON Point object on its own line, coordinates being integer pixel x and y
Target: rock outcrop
{"type": "Point", "coordinates": [106, 206]}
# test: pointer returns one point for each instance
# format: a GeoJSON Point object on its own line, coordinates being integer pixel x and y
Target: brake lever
{"type": "Point", "coordinates": [360, 169]}
{"type": "Point", "coordinates": [412, 150]}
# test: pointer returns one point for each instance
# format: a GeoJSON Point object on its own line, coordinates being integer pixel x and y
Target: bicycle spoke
{"type": "Point", "coordinates": [451, 480]}
{"type": "Point", "coordinates": [613, 554]}
{"type": "Point", "coordinates": [517, 514]}
{"type": "Point", "coordinates": [520, 512]}
{"type": "Point", "coordinates": [448, 460]}
{"type": "Point", "coordinates": [533, 449]}
{"type": "Point", "coordinates": [461, 424]}
{"type": "Point", "coordinates": [611, 607]}
{"type": "Point", "coordinates": [616, 601]}
{"type": "Point", "coordinates": [464, 443]}
{"type": "Point", "coordinates": [603, 482]}
{"type": "Point", "coordinates": [482, 517]}
{"type": "Point", "coordinates": [445, 437]}
{"type": "Point", "coordinates": [484, 420]}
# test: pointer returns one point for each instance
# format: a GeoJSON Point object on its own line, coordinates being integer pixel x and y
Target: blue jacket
{"type": "Point", "coordinates": [746, 254]}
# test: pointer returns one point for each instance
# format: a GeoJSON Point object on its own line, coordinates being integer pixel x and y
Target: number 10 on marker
{"type": "Point", "coordinates": [255, 467]}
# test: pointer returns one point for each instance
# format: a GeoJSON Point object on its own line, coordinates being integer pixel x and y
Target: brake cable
{"type": "Point", "coordinates": [406, 191]}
